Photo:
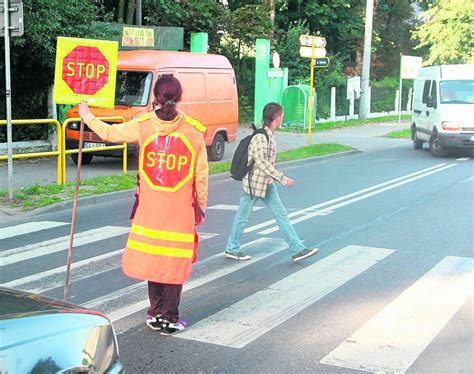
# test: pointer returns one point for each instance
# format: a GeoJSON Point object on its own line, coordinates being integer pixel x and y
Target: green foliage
{"type": "Point", "coordinates": [448, 32]}
{"type": "Point", "coordinates": [248, 23]}
{"type": "Point", "coordinates": [192, 15]}
{"type": "Point", "coordinates": [405, 134]}
{"type": "Point", "coordinates": [33, 55]}
{"type": "Point", "coordinates": [287, 46]}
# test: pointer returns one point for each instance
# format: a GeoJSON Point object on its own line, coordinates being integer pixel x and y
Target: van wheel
{"type": "Point", "coordinates": [417, 143]}
{"type": "Point", "coordinates": [435, 147]}
{"type": "Point", "coordinates": [86, 158]}
{"type": "Point", "coordinates": [216, 150]}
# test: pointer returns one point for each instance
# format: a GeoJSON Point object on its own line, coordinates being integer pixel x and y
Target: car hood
{"type": "Point", "coordinates": [15, 302]}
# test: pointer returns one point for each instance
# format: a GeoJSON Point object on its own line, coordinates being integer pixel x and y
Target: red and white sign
{"type": "Point", "coordinates": [85, 71]}
{"type": "Point", "coordinates": [167, 162]}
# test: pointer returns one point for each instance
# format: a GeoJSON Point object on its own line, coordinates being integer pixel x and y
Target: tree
{"type": "Point", "coordinates": [192, 15]}
{"type": "Point", "coordinates": [33, 54]}
{"type": "Point", "coordinates": [447, 32]}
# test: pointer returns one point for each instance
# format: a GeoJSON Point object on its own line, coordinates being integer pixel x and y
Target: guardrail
{"type": "Point", "coordinates": [65, 152]}
{"type": "Point", "coordinates": [57, 153]}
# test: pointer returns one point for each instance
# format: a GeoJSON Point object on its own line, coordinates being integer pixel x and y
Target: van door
{"type": "Point", "coordinates": [422, 113]}
{"type": "Point", "coordinates": [432, 111]}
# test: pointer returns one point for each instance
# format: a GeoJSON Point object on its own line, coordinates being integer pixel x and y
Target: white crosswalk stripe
{"type": "Point", "coordinates": [260, 248]}
{"type": "Point", "coordinates": [47, 247]}
{"type": "Point", "coordinates": [280, 301]}
{"type": "Point", "coordinates": [390, 341]}
{"type": "Point", "coordinates": [28, 228]}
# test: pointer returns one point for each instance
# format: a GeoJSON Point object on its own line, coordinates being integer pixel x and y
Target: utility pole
{"type": "Point", "coordinates": [364, 105]}
{"type": "Point", "coordinates": [138, 14]}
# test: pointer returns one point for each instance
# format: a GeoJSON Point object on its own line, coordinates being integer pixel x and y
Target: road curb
{"type": "Point", "coordinates": [90, 200]}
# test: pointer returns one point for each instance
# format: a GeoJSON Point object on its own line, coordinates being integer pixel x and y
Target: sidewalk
{"type": "Point", "coordinates": [43, 170]}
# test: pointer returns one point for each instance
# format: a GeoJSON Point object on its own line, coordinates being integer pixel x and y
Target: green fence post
{"type": "Point", "coordinates": [199, 42]}
{"type": "Point", "coordinates": [262, 63]}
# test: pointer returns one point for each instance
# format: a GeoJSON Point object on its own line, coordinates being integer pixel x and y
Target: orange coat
{"type": "Point", "coordinates": [173, 171]}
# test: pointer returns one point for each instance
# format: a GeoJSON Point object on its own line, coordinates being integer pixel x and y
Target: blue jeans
{"type": "Point", "coordinates": [273, 202]}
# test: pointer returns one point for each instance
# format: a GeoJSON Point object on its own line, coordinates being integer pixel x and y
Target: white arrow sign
{"type": "Point", "coordinates": [310, 40]}
{"type": "Point", "coordinates": [312, 52]}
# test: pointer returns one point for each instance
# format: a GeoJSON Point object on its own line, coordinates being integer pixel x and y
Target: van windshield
{"type": "Point", "coordinates": [456, 92]}
{"type": "Point", "coordinates": [132, 88]}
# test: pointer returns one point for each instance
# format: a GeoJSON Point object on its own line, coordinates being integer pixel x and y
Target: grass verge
{"type": "Point", "coordinates": [323, 126]}
{"type": "Point", "coordinates": [406, 133]}
{"type": "Point", "coordinates": [37, 196]}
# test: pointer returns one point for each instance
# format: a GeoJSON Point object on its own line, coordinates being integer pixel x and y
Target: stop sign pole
{"type": "Point", "coordinates": [85, 71]}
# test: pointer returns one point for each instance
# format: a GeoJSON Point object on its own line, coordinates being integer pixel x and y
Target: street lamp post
{"type": "Point", "coordinates": [364, 106]}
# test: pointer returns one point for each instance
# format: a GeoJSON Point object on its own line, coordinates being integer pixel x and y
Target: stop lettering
{"type": "Point", "coordinates": [166, 162]}
{"type": "Point", "coordinates": [85, 70]}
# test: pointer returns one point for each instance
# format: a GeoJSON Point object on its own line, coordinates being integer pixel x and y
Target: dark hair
{"type": "Point", "coordinates": [270, 112]}
{"type": "Point", "coordinates": [167, 93]}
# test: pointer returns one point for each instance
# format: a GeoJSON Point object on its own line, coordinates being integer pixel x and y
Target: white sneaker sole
{"type": "Point", "coordinates": [313, 252]}
{"type": "Point", "coordinates": [148, 323]}
{"type": "Point", "coordinates": [233, 257]}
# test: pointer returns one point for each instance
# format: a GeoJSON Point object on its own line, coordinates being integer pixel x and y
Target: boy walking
{"type": "Point", "coordinates": [259, 184]}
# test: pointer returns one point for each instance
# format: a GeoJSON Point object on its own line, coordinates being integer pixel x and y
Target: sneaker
{"type": "Point", "coordinates": [305, 253]}
{"type": "Point", "coordinates": [168, 328]}
{"type": "Point", "coordinates": [154, 323]}
{"type": "Point", "coordinates": [237, 256]}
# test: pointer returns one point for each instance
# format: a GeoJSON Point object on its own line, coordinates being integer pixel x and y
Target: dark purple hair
{"type": "Point", "coordinates": [167, 93]}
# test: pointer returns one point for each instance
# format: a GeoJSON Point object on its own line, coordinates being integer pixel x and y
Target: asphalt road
{"type": "Point", "coordinates": [27, 172]}
{"type": "Point", "coordinates": [391, 289]}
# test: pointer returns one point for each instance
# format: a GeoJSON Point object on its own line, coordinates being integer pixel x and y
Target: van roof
{"type": "Point", "coordinates": [465, 71]}
{"type": "Point", "coordinates": [151, 60]}
{"type": "Point", "coordinates": [448, 72]}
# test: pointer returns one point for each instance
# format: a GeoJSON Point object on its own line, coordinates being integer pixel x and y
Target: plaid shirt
{"type": "Point", "coordinates": [260, 151]}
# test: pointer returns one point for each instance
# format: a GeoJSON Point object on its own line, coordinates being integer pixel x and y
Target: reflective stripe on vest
{"type": "Point", "coordinates": [159, 250]}
{"type": "Point", "coordinates": [194, 122]}
{"type": "Point", "coordinates": [163, 235]}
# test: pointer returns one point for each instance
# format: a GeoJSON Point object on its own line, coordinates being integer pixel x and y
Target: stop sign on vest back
{"type": "Point", "coordinates": [167, 162]}
{"type": "Point", "coordinates": [85, 70]}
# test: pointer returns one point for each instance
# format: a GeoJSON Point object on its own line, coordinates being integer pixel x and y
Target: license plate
{"type": "Point", "coordinates": [94, 145]}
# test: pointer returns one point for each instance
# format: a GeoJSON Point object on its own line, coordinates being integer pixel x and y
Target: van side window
{"type": "Point", "coordinates": [434, 94]}
{"type": "Point", "coordinates": [426, 92]}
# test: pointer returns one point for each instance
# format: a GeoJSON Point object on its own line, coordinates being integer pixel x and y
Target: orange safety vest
{"type": "Point", "coordinates": [162, 244]}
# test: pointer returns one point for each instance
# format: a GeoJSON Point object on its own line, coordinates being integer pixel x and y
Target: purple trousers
{"type": "Point", "coordinates": [164, 300]}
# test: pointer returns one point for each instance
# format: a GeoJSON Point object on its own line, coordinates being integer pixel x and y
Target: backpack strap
{"type": "Point", "coordinates": [260, 130]}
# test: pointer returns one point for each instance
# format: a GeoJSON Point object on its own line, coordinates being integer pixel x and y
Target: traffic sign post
{"type": "Point", "coordinates": [313, 47]}
{"type": "Point", "coordinates": [11, 24]}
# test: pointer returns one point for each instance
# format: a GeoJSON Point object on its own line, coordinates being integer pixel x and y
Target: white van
{"type": "Point", "coordinates": [443, 109]}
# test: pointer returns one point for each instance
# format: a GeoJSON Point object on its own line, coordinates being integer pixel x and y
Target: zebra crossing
{"type": "Point", "coordinates": [390, 341]}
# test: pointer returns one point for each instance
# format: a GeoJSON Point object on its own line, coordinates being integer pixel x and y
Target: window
{"type": "Point", "coordinates": [456, 92]}
{"type": "Point", "coordinates": [133, 88]}
{"type": "Point", "coordinates": [426, 92]}
{"type": "Point", "coordinates": [434, 92]}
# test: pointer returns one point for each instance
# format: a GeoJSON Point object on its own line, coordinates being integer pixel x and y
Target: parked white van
{"type": "Point", "coordinates": [443, 109]}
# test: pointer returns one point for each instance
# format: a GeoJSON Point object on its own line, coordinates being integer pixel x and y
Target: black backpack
{"type": "Point", "coordinates": [239, 166]}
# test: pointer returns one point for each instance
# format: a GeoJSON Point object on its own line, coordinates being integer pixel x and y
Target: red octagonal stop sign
{"type": "Point", "coordinates": [167, 162]}
{"type": "Point", "coordinates": [85, 70]}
